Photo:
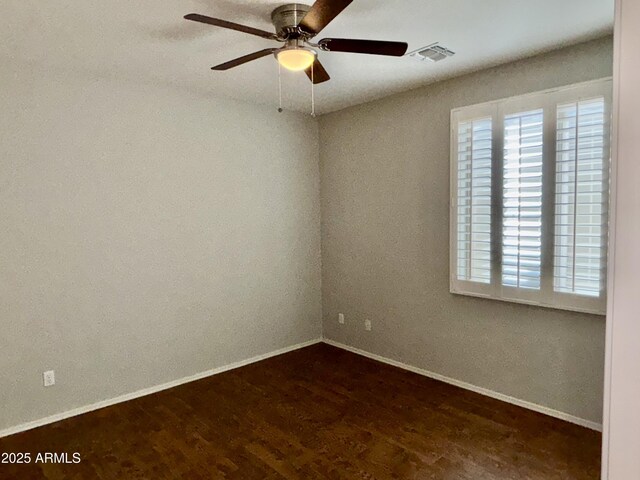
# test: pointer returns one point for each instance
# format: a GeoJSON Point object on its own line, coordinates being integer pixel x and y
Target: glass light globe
{"type": "Point", "coordinates": [296, 59]}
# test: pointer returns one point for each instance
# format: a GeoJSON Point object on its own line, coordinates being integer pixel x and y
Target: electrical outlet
{"type": "Point", "coordinates": [367, 325]}
{"type": "Point", "coordinates": [341, 318]}
{"type": "Point", "coordinates": [49, 378]}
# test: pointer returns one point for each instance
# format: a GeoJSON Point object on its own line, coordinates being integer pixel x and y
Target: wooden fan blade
{"type": "Point", "coordinates": [320, 75]}
{"type": "Point", "coordinates": [245, 59]}
{"type": "Point", "coordinates": [321, 14]}
{"type": "Point", "coordinates": [216, 22]}
{"type": "Point", "coordinates": [371, 47]}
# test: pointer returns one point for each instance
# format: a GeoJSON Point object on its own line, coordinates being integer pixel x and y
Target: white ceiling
{"type": "Point", "coordinates": [147, 40]}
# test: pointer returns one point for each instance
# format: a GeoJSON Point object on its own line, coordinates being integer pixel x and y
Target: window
{"type": "Point", "coordinates": [530, 193]}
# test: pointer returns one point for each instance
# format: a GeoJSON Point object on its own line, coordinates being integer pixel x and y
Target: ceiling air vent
{"type": "Point", "coordinates": [434, 52]}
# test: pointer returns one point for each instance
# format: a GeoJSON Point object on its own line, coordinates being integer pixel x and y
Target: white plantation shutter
{"type": "Point", "coordinates": [581, 192]}
{"type": "Point", "coordinates": [522, 200]}
{"type": "Point", "coordinates": [474, 200]}
{"type": "Point", "coordinates": [530, 190]}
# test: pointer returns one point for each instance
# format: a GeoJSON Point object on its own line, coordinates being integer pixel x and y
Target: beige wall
{"type": "Point", "coordinates": [622, 406]}
{"type": "Point", "coordinates": [146, 234]}
{"type": "Point", "coordinates": [385, 241]}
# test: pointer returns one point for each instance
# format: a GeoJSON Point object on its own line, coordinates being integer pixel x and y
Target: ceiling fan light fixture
{"type": "Point", "coordinates": [296, 59]}
{"type": "Point", "coordinates": [296, 25]}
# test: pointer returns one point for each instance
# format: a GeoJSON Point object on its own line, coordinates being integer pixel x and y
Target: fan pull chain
{"type": "Point", "coordinates": [280, 87]}
{"type": "Point", "coordinates": [313, 97]}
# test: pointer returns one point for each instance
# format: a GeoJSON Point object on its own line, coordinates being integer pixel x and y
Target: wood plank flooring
{"type": "Point", "coordinates": [317, 413]}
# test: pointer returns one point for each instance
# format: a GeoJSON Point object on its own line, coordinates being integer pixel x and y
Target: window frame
{"type": "Point", "coordinates": [497, 110]}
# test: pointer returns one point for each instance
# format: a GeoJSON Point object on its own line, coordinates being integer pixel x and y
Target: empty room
{"type": "Point", "coordinates": [341, 239]}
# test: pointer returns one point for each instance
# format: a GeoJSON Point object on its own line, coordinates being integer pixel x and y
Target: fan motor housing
{"type": "Point", "coordinates": [287, 17]}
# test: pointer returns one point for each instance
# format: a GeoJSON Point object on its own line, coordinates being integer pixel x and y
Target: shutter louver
{"type": "Point", "coordinates": [581, 193]}
{"type": "Point", "coordinates": [522, 200]}
{"type": "Point", "coordinates": [474, 200]}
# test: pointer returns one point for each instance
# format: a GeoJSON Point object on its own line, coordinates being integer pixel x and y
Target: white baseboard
{"type": "Point", "coordinates": [148, 391]}
{"type": "Point", "coordinates": [467, 386]}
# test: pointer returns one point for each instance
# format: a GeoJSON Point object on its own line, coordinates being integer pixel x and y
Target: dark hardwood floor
{"type": "Point", "coordinates": [317, 413]}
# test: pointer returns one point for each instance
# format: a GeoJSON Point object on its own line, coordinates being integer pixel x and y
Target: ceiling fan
{"type": "Point", "coordinates": [295, 25]}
